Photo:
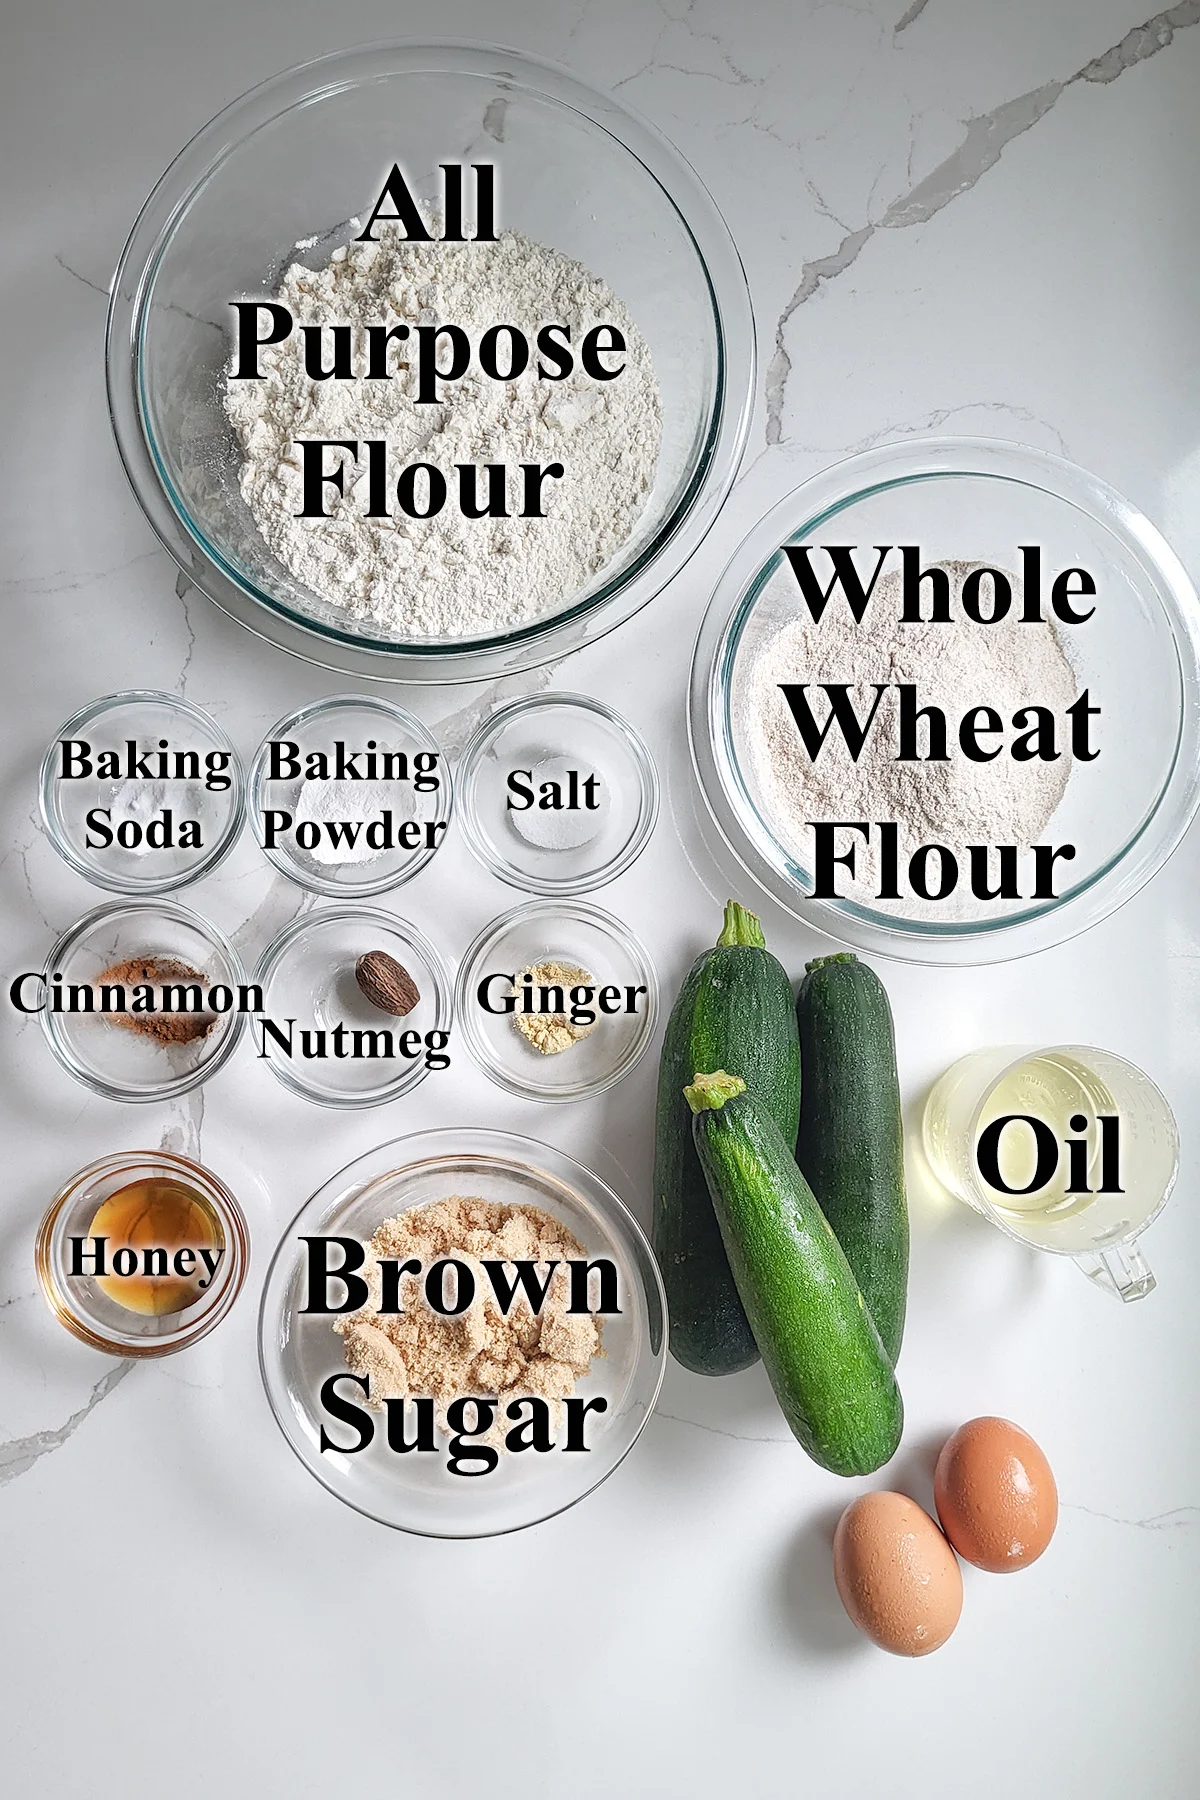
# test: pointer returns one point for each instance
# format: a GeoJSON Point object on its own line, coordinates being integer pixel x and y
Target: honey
{"type": "Point", "coordinates": [154, 1247]}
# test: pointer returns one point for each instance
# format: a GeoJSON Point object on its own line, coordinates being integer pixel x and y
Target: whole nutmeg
{"type": "Point", "coordinates": [386, 983]}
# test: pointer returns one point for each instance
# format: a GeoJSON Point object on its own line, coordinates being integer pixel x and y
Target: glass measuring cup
{"type": "Point", "coordinates": [997, 1120]}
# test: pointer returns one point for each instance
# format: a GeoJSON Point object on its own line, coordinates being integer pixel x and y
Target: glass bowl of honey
{"type": "Point", "coordinates": [142, 1253]}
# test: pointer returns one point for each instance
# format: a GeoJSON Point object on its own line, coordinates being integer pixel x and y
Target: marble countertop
{"type": "Point", "coordinates": [954, 217]}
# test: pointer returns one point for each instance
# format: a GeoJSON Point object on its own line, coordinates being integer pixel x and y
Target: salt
{"type": "Point", "coordinates": [560, 828]}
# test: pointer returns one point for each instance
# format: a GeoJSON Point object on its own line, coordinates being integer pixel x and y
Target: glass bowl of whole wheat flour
{"type": "Point", "coordinates": [992, 756]}
{"type": "Point", "coordinates": [429, 565]}
{"type": "Point", "coordinates": [478, 1198]}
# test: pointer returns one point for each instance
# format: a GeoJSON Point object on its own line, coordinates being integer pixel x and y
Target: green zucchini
{"type": "Point", "coordinates": [734, 1007]}
{"type": "Point", "coordinates": [831, 1374]}
{"type": "Point", "coordinates": [851, 1146]}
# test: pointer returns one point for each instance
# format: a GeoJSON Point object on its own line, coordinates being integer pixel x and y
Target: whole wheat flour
{"type": "Point", "coordinates": [1005, 665]}
{"type": "Point", "coordinates": [448, 575]}
{"type": "Point", "coordinates": [483, 1353]}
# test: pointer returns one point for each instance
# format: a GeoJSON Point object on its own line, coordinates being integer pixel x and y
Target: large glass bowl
{"type": "Point", "coordinates": [299, 1350]}
{"type": "Point", "coordinates": [572, 933]}
{"type": "Point", "coordinates": [1139, 657]}
{"type": "Point", "coordinates": [281, 175]}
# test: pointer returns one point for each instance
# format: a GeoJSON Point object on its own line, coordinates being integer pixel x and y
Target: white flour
{"type": "Point", "coordinates": [451, 576]}
{"type": "Point", "coordinates": [1005, 666]}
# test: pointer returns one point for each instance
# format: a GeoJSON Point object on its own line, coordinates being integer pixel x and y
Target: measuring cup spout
{"type": "Point", "coordinates": [1121, 1270]}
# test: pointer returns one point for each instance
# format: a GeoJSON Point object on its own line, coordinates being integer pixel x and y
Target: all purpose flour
{"type": "Point", "coordinates": [450, 575]}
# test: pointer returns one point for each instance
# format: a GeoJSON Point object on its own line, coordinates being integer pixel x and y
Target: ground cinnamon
{"type": "Point", "coordinates": [155, 972]}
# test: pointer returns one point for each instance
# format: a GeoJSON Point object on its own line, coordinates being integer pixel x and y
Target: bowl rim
{"type": "Point", "coordinates": [205, 1068]}
{"type": "Point", "coordinates": [435, 660]}
{"type": "Point", "coordinates": [425, 741]}
{"type": "Point", "coordinates": [535, 1155]}
{"type": "Point", "coordinates": [476, 1045]}
{"type": "Point", "coordinates": [482, 844]}
{"type": "Point", "coordinates": [309, 921]}
{"type": "Point", "coordinates": [121, 884]}
{"type": "Point", "coordinates": [810, 507]}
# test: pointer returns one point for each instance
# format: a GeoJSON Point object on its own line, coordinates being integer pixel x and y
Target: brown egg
{"type": "Point", "coordinates": [995, 1495]}
{"type": "Point", "coordinates": [896, 1574]}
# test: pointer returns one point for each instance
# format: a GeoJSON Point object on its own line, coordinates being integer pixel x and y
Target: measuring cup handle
{"type": "Point", "coordinates": [1121, 1270]}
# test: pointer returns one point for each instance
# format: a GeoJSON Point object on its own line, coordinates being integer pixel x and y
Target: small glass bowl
{"type": "Point", "coordinates": [549, 932]}
{"type": "Point", "coordinates": [112, 1060]}
{"type": "Point", "coordinates": [1138, 658]}
{"type": "Point", "coordinates": [354, 720]}
{"type": "Point", "coordinates": [145, 718]}
{"type": "Point", "coordinates": [543, 740]}
{"type": "Point", "coordinates": [78, 1301]}
{"type": "Point", "coordinates": [298, 1351]}
{"type": "Point", "coordinates": [307, 976]}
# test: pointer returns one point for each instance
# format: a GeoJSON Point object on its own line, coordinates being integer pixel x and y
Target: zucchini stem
{"type": "Point", "coordinates": [819, 962]}
{"type": "Point", "coordinates": [741, 927]}
{"type": "Point", "coordinates": [708, 1093]}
